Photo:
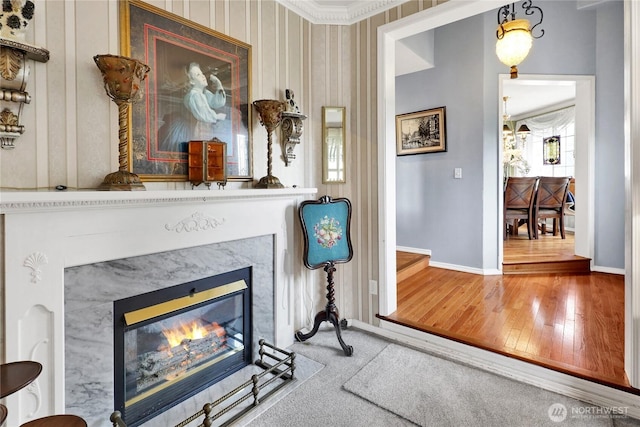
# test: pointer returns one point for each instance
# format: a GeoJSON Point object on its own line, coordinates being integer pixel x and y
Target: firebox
{"type": "Point", "coordinates": [175, 342]}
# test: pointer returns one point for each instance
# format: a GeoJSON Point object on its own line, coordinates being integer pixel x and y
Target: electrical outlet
{"type": "Point", "coordinates": [457, 173]}
{"type": "Point", "coordinates": [373, 287]}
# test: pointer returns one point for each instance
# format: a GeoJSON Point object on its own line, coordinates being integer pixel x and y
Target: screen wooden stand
{"type": "Point", "coordinates": [329, 314]}
{"type": "Point", "coordinates": [327, 242]}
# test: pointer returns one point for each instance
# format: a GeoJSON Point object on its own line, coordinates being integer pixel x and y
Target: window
{"type": "Point", "coordinates": [559, 123]}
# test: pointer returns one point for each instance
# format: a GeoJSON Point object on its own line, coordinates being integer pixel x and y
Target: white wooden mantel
{"type": "Point", "coordinates": [46, 232]}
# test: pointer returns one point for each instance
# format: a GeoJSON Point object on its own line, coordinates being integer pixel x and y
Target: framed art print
{"type": "Point", "coordinates": [198, 89]}
{"type": "Point", "coordinates": [421, 132]}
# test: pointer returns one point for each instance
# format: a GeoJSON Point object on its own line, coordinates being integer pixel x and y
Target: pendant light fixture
{"type": "Point", "coordinates": [515, 36]}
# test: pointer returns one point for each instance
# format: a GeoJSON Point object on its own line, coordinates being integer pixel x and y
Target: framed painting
{"type": "Point", "coordinates": [421, 132]}
{"type": "Point", "coordinates": [198, 89]}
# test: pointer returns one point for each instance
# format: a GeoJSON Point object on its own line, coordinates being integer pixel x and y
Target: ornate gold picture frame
{"type": "Point", "coordinates": [198, 89]}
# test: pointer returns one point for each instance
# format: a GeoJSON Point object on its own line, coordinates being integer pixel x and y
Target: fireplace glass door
{"type": "Point", "coordinates": [170, 347]}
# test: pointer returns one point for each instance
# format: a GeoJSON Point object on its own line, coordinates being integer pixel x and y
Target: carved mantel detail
{"type": "Point", "coordinates": [34, 262]}
{"type": "Point", "coordinates": [196, 222]}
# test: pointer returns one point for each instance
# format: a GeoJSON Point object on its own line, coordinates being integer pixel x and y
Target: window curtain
{"type": "Point", "coordinates": [543, 125]}
{"type": "Point", "coordinates": [556, 120]}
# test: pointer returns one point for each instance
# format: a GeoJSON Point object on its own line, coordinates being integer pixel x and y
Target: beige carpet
{"type": "Point", "coordinates": [385, 384]}
{"type": "Point", "coordinates": [430, 391]}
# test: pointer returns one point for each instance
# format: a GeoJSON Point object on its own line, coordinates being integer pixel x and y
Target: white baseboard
{"type": "Point", "coordinates": [557, 382]}
{"type": "Point", "coordinates": [414, 250]}
{"type": "Point", "coordinates": [486, 272]}
{"type": "Point", "coordinates": [609, 270]}
{"type": "Point", "coordinates": [446, 266]}
{"type": "Point", "coordinates": [465, 269]}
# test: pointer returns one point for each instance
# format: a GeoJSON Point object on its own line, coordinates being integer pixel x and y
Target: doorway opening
{"type": "Point", "coordinates": [386, 38]}
{"type": "Point", "coordinates": [541, 101]}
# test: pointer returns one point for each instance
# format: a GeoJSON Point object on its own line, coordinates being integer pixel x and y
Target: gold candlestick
{"type": "Point", "coordinates": [270, 114]}
{"type": "Point", "coordinates": [122, 79]}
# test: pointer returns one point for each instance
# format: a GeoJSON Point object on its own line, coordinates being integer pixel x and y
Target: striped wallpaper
{"type": "Point", "coordinates": [72, 133]}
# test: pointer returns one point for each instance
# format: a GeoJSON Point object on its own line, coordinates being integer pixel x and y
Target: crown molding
{"type": "Point", "coordinates": [347, 13]}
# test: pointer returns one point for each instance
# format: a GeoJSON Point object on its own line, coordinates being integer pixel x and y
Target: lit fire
{"type": "Point", "coordinates": [191, 331]}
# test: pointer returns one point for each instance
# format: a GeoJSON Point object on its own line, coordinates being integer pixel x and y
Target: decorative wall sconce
{"type": "Point", "coordinates": [551, 150]}
{"type": "Point", "coordinates": [14, 74]}
{"type": "Point", "coordinates": [515, 37]}
{"type": "Point", "coordinates": [292, 127]}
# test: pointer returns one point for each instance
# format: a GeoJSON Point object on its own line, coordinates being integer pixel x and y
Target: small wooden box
{"type": "Point", "coordinates": [207, 162]}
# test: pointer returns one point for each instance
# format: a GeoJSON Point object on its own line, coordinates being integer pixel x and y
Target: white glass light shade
{"type": "Point", "coordinates": [514, 43]}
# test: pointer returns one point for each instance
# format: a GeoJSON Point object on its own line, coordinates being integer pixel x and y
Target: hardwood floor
{"type": "Point", "coordinates": [547, 254]}
{"type": "Point", "coordinates": [573, 323]}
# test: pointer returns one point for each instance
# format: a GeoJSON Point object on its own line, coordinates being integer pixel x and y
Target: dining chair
{"type": "Point", "coordinates": [550, 203]}
{"type": "Point", "coordinates": [519, 199]}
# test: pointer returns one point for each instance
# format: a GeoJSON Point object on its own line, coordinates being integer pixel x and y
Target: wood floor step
{"type": "Point", "coordinates": [574, 266]}
{"type": "Point", "coordinates": [409, 269]}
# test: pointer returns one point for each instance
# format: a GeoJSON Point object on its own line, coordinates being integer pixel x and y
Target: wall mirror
{"type": "Point", "coordinates": [333, 145]}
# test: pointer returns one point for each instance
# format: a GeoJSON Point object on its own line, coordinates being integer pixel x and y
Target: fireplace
{"type": "Point", "coordinates": [69, 255]}
{"type": "Point", "coordinates": [172, 343]}
{"type": "Point", "coordinates": [91, 320]}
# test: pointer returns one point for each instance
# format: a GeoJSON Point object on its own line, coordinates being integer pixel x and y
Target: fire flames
{"type": "Point", "coordinates": [191, 331]}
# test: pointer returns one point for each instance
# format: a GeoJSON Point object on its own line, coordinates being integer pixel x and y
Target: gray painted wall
{"type": "Point", "coordinates": [435, 211]}
{"type": "Point", "coordinates": [609, 180]}
{"type": "Point", "coordinates": [455, 218]}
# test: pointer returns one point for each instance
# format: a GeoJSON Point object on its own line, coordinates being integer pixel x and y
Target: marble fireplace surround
{"type": "Point", "coordinates": [48, 233]}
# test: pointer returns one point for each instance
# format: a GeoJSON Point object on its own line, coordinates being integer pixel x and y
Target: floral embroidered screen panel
{"type": "Point", "coordinates": [325, 224]}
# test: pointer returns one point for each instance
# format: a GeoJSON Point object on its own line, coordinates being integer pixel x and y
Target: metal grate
{"type": "Point", "coordinates": [282, 369]}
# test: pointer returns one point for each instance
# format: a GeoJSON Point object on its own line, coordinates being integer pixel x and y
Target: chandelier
{"type": "Point", "coordinates": [511, 139]}
{"type": "Point", "coordinates": [515, 36]}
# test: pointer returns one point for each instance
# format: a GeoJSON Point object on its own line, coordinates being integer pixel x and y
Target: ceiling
{"type": "Point", "coordinates": [338, 12]}
{"type": "Point", "coordinates": [537, 95]}
{"type": "Point", "coordinates": [524, 95]}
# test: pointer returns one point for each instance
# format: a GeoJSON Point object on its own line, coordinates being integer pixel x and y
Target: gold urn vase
{"type": "Point", "coordinates": [122, 81]}
{"type": "Point", "coordinates": [270, 115]}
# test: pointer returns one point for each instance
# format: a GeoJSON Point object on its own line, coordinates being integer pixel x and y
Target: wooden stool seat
{"type": "Point", "coordinates": [16, 375]}
{"type": "Point", "coordinates": [57, 421]}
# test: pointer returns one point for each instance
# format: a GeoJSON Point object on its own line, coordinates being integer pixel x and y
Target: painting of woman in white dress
{"type": "Point", "coordinates": [197, 90]}
{"type": "Point", "coordinates": [199, 120]}
{"type": "Point", "coordinates": [198, 104]}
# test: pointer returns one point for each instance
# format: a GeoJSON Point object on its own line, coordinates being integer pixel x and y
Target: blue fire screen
{"type": "Point", "coordinates": [326, 225]}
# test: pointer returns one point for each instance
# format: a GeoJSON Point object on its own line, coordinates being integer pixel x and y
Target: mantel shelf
{"type": "Point", "coordinates": [21, 202]}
